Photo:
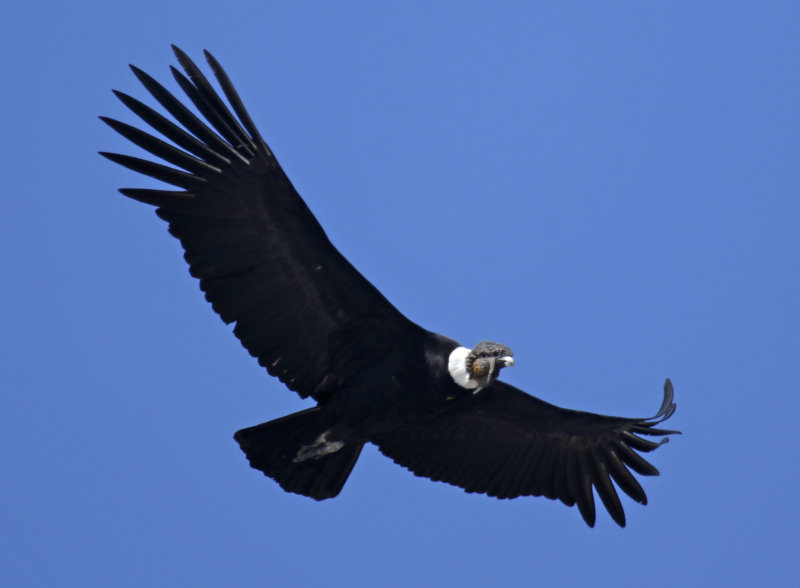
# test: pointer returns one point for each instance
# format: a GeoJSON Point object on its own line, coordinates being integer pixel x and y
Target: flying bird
{"type": "Point", "coordinates": [313, 321]}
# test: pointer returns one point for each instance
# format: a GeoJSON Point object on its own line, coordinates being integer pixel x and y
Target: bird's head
{"type": "Point", "coordinates": [478, 367]}
{"type": "Point", "coordinates": [486, 360]}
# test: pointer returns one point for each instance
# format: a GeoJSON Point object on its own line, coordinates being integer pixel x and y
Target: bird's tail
{"type": "Point", "coordinates": [295, 452]}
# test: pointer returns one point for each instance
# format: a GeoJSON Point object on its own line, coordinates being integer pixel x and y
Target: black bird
{"type": "Point", "coordinates": [314, 322]}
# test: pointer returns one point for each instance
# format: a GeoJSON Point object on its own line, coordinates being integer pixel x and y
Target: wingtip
{"type": "Point", "coordinates": [182, 57]}
{"type": "Point", "coordinates": [667, 405]}
{"type": "Point", "coordinates": [143, 77]}
{"type": "Point", "coordinates": [212, 61]}
{"type": "Point", "coordinates": [179, 53]}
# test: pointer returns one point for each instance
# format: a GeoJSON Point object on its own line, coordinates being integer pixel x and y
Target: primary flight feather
{"type": "Point", "coordinates": [313, 321]}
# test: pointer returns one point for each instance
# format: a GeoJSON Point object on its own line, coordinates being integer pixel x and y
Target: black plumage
{"type": "Point", "coordinates": [313, 321]}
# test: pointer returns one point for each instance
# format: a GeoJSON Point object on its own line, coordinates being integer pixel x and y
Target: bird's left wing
{"type": "Point", "coordinates": [506, 443]}
{"type": "Point", "coordinates": [263, 260]}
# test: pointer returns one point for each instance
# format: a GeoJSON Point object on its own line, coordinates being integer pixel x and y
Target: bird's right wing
{"type": "Point", "coordinates": [506, 443]}
{"type": "Point", "coordinates": [263, 260]}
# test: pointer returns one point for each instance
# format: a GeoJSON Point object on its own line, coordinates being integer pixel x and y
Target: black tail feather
{"type": "Point", "coordinates": [273, 448]}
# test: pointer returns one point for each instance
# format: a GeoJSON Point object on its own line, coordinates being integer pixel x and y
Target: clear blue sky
{"type": "Point", "coordinates": [611, 189]}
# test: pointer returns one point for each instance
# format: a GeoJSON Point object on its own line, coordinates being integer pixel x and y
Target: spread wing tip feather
{"type": "Point", "coordinates": [646, 426]}
{"type": "Point", "coordinates": [668, 405]}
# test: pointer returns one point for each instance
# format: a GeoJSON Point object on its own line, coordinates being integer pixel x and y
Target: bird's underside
{"type": "Point", "coordinates": [313, 321]}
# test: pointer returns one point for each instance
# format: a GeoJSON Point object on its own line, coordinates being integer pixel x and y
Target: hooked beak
{"type": "Point", "coordinates": [506, 361]}
{"type": "Point", "coordinates": [496, 364]}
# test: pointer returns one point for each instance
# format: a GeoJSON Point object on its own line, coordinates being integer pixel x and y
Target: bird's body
{"type": "Point", "coordinates": [317, 324]}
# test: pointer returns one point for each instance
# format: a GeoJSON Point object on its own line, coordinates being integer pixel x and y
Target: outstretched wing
{"type": "Point", "coordinates": [263, 260]}
{"type": "Point", "coordinates": [506, 443]}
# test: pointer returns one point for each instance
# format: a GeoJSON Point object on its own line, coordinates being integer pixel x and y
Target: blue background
{"type": "Point", "coordinates": [609, 188]}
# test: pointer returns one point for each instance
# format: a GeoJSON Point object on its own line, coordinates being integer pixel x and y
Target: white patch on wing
{"type": "Point", "coordinates": [457, 366]}
{"type": "Point", "coordinates": [320, 447]}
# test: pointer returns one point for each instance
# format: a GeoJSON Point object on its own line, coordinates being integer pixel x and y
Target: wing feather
{"type": "Point", "coordinates": [262, 258]}
{"type": "Point", "coordinates": [505, 443]}
{"type": "Point", "coordinates": [605, 489]}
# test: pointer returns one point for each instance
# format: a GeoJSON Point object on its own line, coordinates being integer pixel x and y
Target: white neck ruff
{"type": "Point", "coordinates": [457, 366]}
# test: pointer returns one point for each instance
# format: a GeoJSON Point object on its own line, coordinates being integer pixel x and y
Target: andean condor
{"type": "Point", "coordinates": [313, 321]}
